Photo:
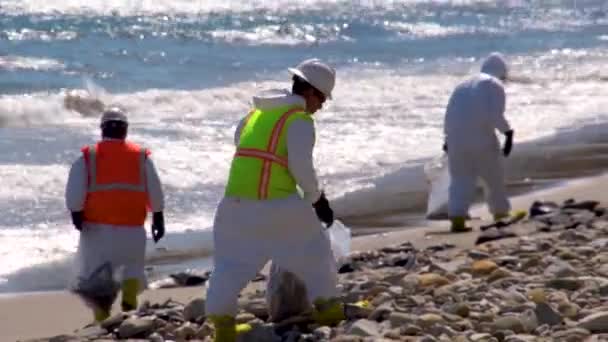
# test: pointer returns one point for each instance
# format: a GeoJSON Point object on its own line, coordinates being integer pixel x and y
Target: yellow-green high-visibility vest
{"type": "Point", "coordinates": [259, 169]}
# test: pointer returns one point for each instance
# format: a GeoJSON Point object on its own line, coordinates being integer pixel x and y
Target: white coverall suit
{"type": "Point", "coordinates": [122, 246]}
{"type": "Point", "coordinates": [249, 233]}
{"type": "Point", "coordinates": [475, 110]}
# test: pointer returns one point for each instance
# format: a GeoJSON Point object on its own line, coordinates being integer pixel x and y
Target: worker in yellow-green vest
{"type": "Point", "coordinates": [263, 216]}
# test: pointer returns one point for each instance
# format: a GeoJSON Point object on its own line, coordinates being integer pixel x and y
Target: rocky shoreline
{"type": "Point", "coordinates": [542, 278]}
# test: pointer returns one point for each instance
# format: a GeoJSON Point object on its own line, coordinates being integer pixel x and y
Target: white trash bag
{"type": "Point", "coordinates": [438, 177]}
{"type": "Point", "coordinates": [286, 295]}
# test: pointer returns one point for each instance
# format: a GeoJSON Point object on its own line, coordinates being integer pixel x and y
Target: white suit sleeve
{"type": "Point", "coordinates": [154, 187]}
{"type": "Point", "coordinates": [300, 144]}
{"type": "Point", "coordinates": [237, 132]}
{"type": "Point", "coordinates": [496, 103]}
{"type": "Point", "coordinates": [76, 188]}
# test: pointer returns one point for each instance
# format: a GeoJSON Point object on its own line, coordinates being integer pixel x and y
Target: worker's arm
{"type": "Point", "coordinates": [76, 188]}
{"type": "Point", "coordinates": [76, 192]}
{"type": "Point", "coordinates": [157, 200]}
{"type": "Point", "coordinates": [496, 106]}
{"type": "Point", "coordinates": [154, 187]}
{"type": "Point", "coordinates": [237, 131]}
{"type": "Point", "coordinates": [497, 100]}
{"type": "Point", "coordinates": [300, 144]}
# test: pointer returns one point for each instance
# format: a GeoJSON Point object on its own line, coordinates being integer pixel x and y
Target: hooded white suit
{"type": "Point", "coordinates": [474, 112]}
{"type": "Point", "coordinates": [249, 233]}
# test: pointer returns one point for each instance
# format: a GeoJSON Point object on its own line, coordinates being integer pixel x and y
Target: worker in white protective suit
{"type": "Point", "coordinates": [475, 111]}
{"type": "Point", "coordinates": [263, 216]}
{"type": "Point", "coordinates": [109, 191]}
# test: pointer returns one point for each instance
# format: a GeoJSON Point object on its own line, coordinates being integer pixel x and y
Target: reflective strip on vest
{"type": "Point", "coordinates": [261, 154]}
{"type": "Point", "coordinates": [269, 156]}
{"type": "Point", "coordinates": [94, 187]}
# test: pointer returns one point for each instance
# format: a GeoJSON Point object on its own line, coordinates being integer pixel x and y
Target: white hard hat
{"type": "Point", "coordinates": [318, 74]}
{"type": "Point", "coordinates": [495, 65]}
{"type": "Point", "coordinates": [114, 114]}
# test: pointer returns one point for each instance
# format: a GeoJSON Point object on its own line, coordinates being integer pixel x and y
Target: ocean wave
{"type": "Point", "coordinates": [136, 7]}
{"type": "Point", "coordinates": [41, 35]}
{"type": "Point", "coordinates": [15, 63]}
{"type": "Point", "coordinates": [284, 34]}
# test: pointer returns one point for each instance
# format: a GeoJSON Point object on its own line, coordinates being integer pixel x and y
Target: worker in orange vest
{"type": "Point", "coordinates": [109, 191]}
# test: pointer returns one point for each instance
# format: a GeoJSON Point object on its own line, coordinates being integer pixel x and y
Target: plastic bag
{"type": "Point", "coordinates": [100, 289]}
{"type": "Point", "coordinates": [286, 294]}
{"type": "Point", "coordinates": [340, 238]}
{"type": "Point", "coordinates": [438, 176]}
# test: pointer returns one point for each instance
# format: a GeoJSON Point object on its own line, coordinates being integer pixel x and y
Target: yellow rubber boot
{"type": "Point", "coordinates": [130, 288]}
{"type": "Point", "coordinates": [101, 314]}
{"type": "Point", "coordinates": [514, 215]}
{"type": "Point", "coordinates": [459, 225]}
{"type": "Point", "coordinates": [225, 328]}
{"type": "Point", "coordinates": [328, 311]}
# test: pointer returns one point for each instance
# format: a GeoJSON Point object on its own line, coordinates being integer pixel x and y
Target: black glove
{"type": "Point", "coordinates": [158, 226]}
{"type": "Point", "coordinates": [506, 150]}
{"type": "Point", "coordinates": [77, 219]}
{"type": "Point", "coordinates": [324, 211]}
{"type": "Point", "coordinates": [445, 147]}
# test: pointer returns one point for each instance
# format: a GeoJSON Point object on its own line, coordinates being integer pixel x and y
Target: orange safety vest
{"type": "Point", "coordinates": [117, 192]}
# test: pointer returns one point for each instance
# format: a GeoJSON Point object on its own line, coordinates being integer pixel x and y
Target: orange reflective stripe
{"type": "Point", "coordinates": [261, 154]}
{"type": "Point", "coordinates": [273, 143]}
{"type": "Point", "coordinates": [269, 156]}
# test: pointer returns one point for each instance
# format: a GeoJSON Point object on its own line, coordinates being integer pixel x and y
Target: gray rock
{"type": "Point", "coordinates": [156, 337]}
{"type": "Point", "coordinates": [411, 330]}
{"type": "Point", "coordinates": [560, 269]}
{"type": "Point", "coordinates": [398, 319]}
{"type": "Point", "coordinates": [546, 314]}
{"type": "Point", "coordinates": [347, 338]}
{"type": "Point", "coordinates": [364, 328]}
{"type": "Point", "coordinates": [596, 323]}
{"type": "Point", "coordinates": [427, 338]}
{"type": "Point", "coordinates": [600, 225]}
{"type": "Point", "coordinates": [135, 327]}
{"type": "Point", "coordinates": [571, 284]}
{"type": "Point", "coordinates": [91, 332]}
{"type": "Point", "coordinates": [599, 243]}
{"type": "Point", "coordinates": [478, 255]}
{"type": "Point", "coordinates": [521, 338]}
{"type": "Point", "coordinates": [186, 331]}
{"type": "Point", "coordinates": [381, 313]}
{"type": "Point", "coordinates": [482, 337]}
{"type": "Point", "coordinates": [512, 323]}
{"type": "Point", "coordinates": [395, 291]}
{"type": "Point", "coordinates": [381, 298]}
{"type": "Point", "coordinates": [461, 309]}
{"type": "Point", "coordinates": [194, 310]}
{"type": "Point", "coordinates": [571, 335]}
{"type": "Point", "coordinates": [113, 322]}
{"type": "Point", "coordinates": [529, 320]}
{"type": "Point", "coordinates": [322, 333]}
{"type": "Point", "coordinates": [62, 338]}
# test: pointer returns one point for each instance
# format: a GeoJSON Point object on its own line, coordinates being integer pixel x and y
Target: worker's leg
{"type": "Point", "coordinates": [492, 175]}
{"type": "Point", "coordinates": [312, 261]}
{"type": "Point", "coordinates": [132, 256]}
{"type": "Point", "coordinates": [237, 259]}
{"type": "Point", "coordinates": [462, 189]}
{"type": "Point", "coordinates": [91, 254]}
